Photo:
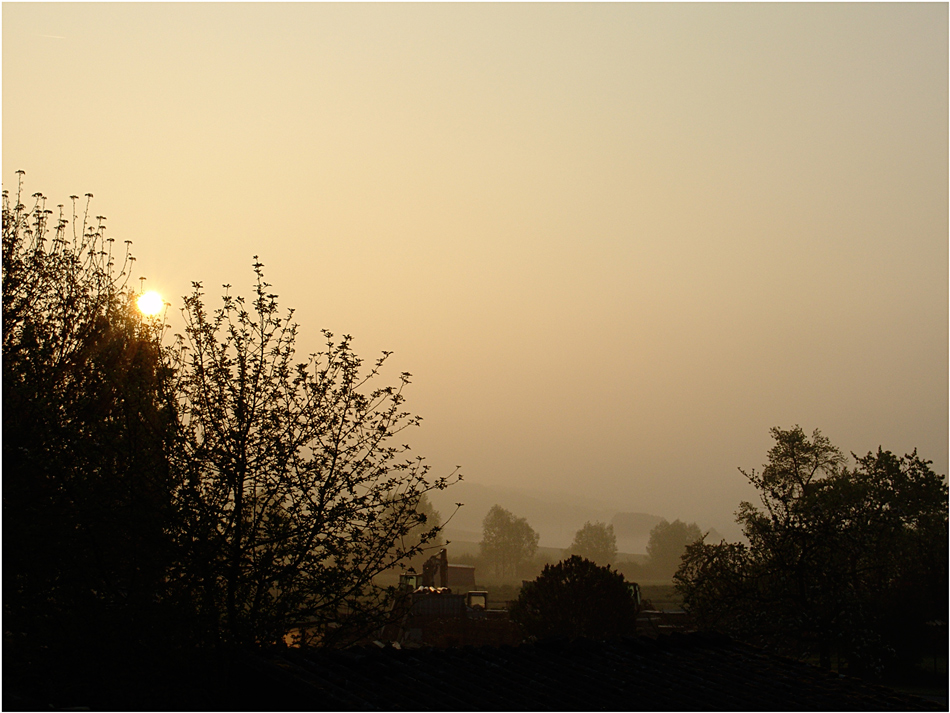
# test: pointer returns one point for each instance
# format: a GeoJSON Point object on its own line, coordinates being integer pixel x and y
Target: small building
{"type": "Point", "coordinates": [437, 572]}
{"type": "Point", "coordinates": [461, 577]}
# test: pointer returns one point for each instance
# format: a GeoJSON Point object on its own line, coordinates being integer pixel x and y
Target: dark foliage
{"type": "Point", "coordinates": [845, 560]}
{"type": "Point", "coordinates": [293, 493]}
{"type": "Point", "coordinates": [197, 498]}
{"type": "Point", "coordinates": [576, 598]}
{"type": "Point", "coordinates": [86, 426]}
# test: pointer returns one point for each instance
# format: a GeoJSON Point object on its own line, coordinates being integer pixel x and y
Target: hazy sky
{"type": "Point", "coordinates": [614, 244]}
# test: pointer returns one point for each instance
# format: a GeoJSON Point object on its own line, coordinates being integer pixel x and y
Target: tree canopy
{"type": "Point", "coordinates": [508, 542]}
{"type": "Point", "coordinates": [668, 541]}
{"type": "Point", "coordinates": [576, 598]}
{"type": "Point", "coordinates": [595, 542]}
{"type": "Point", "coordinates": [424, 537]}
{"type": "Point", "coordinates": [297, 497]}
{"type": "Point", "coordinates": [215, 491]}
{"type": "Point", "coordinates": [833, 551]}
{"type": "Point", "coordinates": [87, 426]}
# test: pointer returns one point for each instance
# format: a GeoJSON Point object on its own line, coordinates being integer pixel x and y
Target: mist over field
{"type": "Point", "coordinates": [614, 244]}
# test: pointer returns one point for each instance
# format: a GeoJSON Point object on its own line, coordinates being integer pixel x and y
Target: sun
{"type": "Point", "coordinates": [150, 303]}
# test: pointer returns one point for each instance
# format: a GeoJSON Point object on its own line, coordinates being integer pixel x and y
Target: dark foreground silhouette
{"type": "Point", "coordinates": [672, 672]}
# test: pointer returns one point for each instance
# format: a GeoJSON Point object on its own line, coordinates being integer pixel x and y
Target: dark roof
{"type": "Point", "coordinates": [675, 672]}
{"type": "Point", "coordinates": [438, 605]}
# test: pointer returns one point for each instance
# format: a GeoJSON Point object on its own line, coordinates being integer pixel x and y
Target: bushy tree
{"type": "Point", "coordinates": [833, 552]}
{"type": "Point", "coordinates": [717, 584]}
{"type": "Point", "coordinates": [576, 598]}
{"type": "Point", "coordinates": [215, 491]}
{"type": "Point", "coordinates": [595, 542]}
{"type": "Point", "coordinates": [87, 422]}
{"type": "Point", "coordinates": [295, 495]}
{"type": "Point", "coordinates": [508, 542]}
{"type": "Point", "coordinates": [668, 542]}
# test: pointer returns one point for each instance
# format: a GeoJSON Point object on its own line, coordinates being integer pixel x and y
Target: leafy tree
{"type": "Point", "coordinates": [832, 553]}
{"type": "Point", "coordinates": [218, 474]}
{"type": "Point", "coordinates": [595, 542]}
{"type": "Point", "coordinates": [213, 492]}
{"type": "Point", "coordinates": [576, 598]}
{"type": "Point", "coordinates": [668, 542]}
{"type": "Point", "coordinates": [87, 423]}
{"type": "Point", "coordinates": [508, 542]}
{"type": "Point", "coordinates": [296, 497]}
{"type": "Point", "coordinates": [717, 584]}
{"type": "Point", "coordinates": [423, 537]}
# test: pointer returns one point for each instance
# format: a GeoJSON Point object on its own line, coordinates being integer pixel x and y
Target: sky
{"type": "Point", "coordinates": [614, 244]}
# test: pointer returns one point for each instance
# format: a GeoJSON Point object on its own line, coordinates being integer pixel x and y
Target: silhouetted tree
{"type": "Point", "coordinates": [508, 543]}
{"type": "Point", "coordinates": [423, 537]}
{"type": "Point", "coordinates": [832, 554]}
{"type": "Point", "coordinates": [595, 542]}
{"type": "Point", "coordinates": [214, 492]}
{"type": "Point", "coordinates": [668, 542]}
{"type": "Point", "coordinates": [295, 496]}
{"type": "Point", "coordinates": [87, 421]}
{"type": "Point", "coordinates": [576, 598]}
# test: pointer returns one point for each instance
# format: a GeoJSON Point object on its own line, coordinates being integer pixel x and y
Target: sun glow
{"type": "Point", "coordinates": [150, 303]}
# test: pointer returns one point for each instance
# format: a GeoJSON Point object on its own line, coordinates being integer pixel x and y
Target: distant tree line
{"type": "Point", "coordinates": [212, 492]}
{"type": "Point", "coordinates": [508, 550]}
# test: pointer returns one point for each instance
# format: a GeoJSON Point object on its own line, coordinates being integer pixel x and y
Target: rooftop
{"type": "Point", "coordinates": [673, 672]}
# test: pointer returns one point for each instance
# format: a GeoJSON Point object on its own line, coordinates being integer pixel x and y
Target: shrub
{"type": "Point", "coordinates": [576, 598]}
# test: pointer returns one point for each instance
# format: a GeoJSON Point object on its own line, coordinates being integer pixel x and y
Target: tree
{"type": "Point", "coordinates": [296, 497]}
{"type": "Point", "coordinates": [717, 585]}
{"type": "Point", "coordinates": [832, 553]}
{"type": "Point", "coordinates": [576, 598]}
{"type": "Point", "coordinates": [595, 542]}
{"type": "Point", "coordinates": [423, 537]}
{"type": "Point", "coordinates": [668, 542]}
{"type": "Point", "coordinates": [508, 542]}
{"type": "Point", "coordinates": [86, 423]}
{"type": "Point", "coordinates": [159, 500]}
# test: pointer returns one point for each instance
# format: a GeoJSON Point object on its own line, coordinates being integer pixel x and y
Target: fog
{"type": "Point", "coordinates": [614, 244]}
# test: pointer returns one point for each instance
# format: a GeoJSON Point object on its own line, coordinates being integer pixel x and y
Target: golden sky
{"type": "Point", "coordinates": [613, 243]}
